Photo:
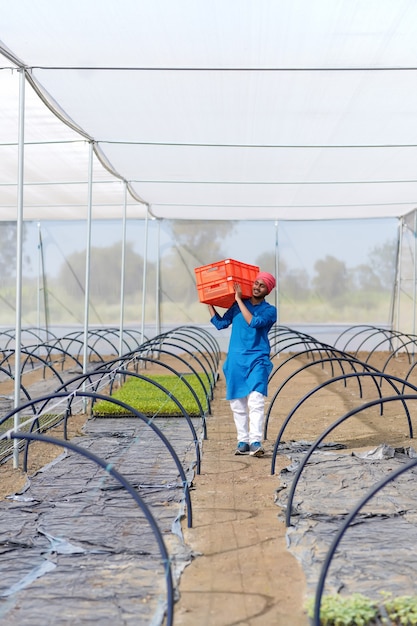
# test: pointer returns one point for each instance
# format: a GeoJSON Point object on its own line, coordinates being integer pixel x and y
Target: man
{"type": "Point", "coordinates": [248, 364]}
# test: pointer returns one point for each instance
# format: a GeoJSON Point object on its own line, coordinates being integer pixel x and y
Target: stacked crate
{"type": "Point", "coordinates": [215, 281]}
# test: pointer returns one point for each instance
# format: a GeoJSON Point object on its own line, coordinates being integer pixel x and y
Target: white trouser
{"type": "Point", "coordinates": [249, 414]}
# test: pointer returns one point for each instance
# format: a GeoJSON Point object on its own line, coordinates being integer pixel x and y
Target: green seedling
{"type": "Point", "coordinates": [150, 400]}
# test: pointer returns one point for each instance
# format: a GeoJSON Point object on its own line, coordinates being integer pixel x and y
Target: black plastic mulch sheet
{"type": "Point", "coordinates": [377, 552]}
{"type": "Point", "coordinates": [74, 545]}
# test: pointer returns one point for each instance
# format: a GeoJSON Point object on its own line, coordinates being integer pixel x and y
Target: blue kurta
{"type": "Point", "coordinates": [248, 363]}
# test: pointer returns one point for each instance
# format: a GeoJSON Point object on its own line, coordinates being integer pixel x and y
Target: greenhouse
{"type": "Point", "coordinates": [140, 141]}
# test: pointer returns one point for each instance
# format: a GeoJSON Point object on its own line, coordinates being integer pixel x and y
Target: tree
{"type": "Point", "coordinates": [295, 284]}
{"type": "Point", "coordinates": [382, 260]}
{"type": "Point", "coordinates": [292, 283]}
{"type": "Point", "coordinates": [105, 272]}
{"type": "Point", "coordinates": [331, 278]}
{"type": "Point", "coordinates": [194, 244]}
{"type": "Point", "coordinates": [364, 279]}
{"type": "Point", "coordinates": [266, 262]}
{"type": "Point", "coordinates": [201, 241]}
{"type": "Point", "coordinates": [8, 237]}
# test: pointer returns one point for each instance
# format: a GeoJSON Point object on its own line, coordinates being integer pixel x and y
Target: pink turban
{"type": "Point", "coordinates": [267, 279]}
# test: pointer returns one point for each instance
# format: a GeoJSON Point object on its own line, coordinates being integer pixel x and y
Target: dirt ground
{"type": "Point", "coordinates": [242, 573]}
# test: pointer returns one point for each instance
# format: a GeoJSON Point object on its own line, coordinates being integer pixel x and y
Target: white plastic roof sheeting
{"type": "Point", "coordinates": [228, 109]}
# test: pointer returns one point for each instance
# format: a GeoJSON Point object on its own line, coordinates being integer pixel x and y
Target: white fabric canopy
{"type": "Point", "coordinates": [228, 109]}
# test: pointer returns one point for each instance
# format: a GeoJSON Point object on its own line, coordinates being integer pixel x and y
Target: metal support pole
{"type": "Point", "coordinates": [277, 271]}
{"type": "Point", "coordinates": [122, 273]}
{"type": "Point", "coordinates": [19, 257]}
{"type": "Point", "coordinates": [399, 272]}
{"type": "Point", "coordinates": [38, 299]}
{"type": "Point", "coordinates": [145, 263]}
{"type": "Point", "coordinates": [42, 287]}
{"type": "Point", "coordinates": [88, 255]}
{"type": "Point", "coordinates": [414, 277]}
{"type": "Point", "coordinates": [158, 282]}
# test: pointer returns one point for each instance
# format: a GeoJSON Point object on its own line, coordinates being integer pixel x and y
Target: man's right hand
{"type": "Point", "coordinates": [238, 291]}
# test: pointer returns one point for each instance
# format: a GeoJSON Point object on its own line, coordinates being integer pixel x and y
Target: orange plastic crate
{"type": "Point", "coordinates": [215, 281]}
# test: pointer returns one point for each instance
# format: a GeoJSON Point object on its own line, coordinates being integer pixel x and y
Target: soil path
{"type": "Point", "coordinates": [245, 574]}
